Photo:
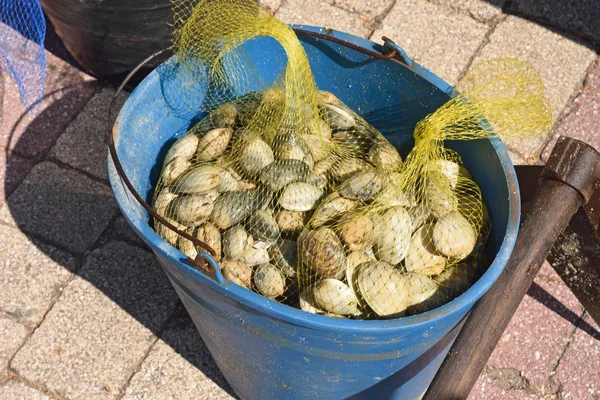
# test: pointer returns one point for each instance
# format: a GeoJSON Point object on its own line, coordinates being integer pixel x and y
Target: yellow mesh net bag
{"type": "Point", "coordinates": [304, 202]}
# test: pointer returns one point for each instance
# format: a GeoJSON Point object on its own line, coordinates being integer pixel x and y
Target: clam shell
{"type": "Point", "coordinates": [392, 194]}
{"type": "Point", "coordinates": [269, 281]}
{"type": "Point", "coordinates": [262, 226]}
{"type": "Point", "coordinates": [363, 185]}
{"type": "Point", "coordinates": [279, 174]}
{"type": "Point", "coordinates": [439, 196]}
{"type": "Point", "coordinates": [255, 155]}
{"type": "Point", "coordinates": [224, 116]}
{"type": "Point", "coordinates": [308, 303]}
{"type": "Point", "coordinates": [330, 208]}
{"type": "Point", "coordinates": [350, 143]}
{"type": "Point", "coordinates": [319, 147]}
{"type": "Point", "coordinates": [162, 201]}
{"type": "Point", "coordinates": [422, 256]}
{"type": "Point", "coordinates": [236, 241]}
{"type": "Point", "coordinates": [328, 97]}
{"type": "Point", "coordinates": [187, 246]}
{"type": "Point", "coordinates": [422, 288]}
{"type": "Point", "coordinates": [451, 170]}
{"type": "Point", "coordinates": [419, 215]}
{"type": "Point", "coordinates": [455, 280]}
{"type": "Point", "coordinates": [300, 196]}
{"type": "Point", "coordinates": [454, 236]}
{"type": "Point", "coordinates": [393, 239]}
{"type": "Point", "coordinates": [357, 231]}
{"type": "Point", "coordinates": [318, 127]}
{"type": "Point", "coordinates": [237, 272]}
{"type": "Point", "coordinates": [289, 146]}
{"type": "Point", "coordinates": [317, 181]}
{"type": "Point", "coordinates": [199, 180]}
{"type": "Point", "coordinates": [385, 157]}
{"type": "Point", "coordinates": [322, 253]}
{"type": "Point", "coordinates": [253, 256]}
{"type": "Point", "coordinates": [324, 165]}
{"type": "Point", "coordinates": [168, 234]}
{"type": "Point", "coordinates": [210, 234]}
{"type": "Point", "coordinates": [232, 207]}
{"type": "Point", "coordinates": [334, 296]}
{"type": "Point", "coordinates": [339, 117]}
{"type": "Point", "coordinates": [184, 148]}
{"type": "Point", "coordinates": [348, 167]}
{"type": "Point", "coordinates": [213, 144]}
{"type": "Point", "coordinates": [228, 181]}
{"type": "Point", "coordinates": [383, 288]}
{"type": "Point", "coordinates": [353, 260]}
{"type": "Point", "coordinates": [174, 170]}
{"type": "Point", "coordinates": [290, 221]}
{"type": "Point", "coordinates": [284, 255]}
{"type": "Point", "coordinates": [192, 210]}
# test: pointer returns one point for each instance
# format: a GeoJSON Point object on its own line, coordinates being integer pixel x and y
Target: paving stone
{"type": "Point", "coordinates": [13, 170]}
{"type": "Point", "coordinates": [368, 8]}
{"type": "Point", "coordinates": [16, 390]}
{"type": "Point", "coordinates": [319, 13]}
{"type": "Point", "coordinates": [123, 231]}
{"type": "Point", "coordinates": [179, 366]}
{"type": "Point", "coordinates": [486, 389]}
{"type": "Point", "coordinates": [101, 328]}
{"type": "Point", "coordinates": [579, 368]}
{"type": "Point", "coordinates": [538, 332]}
{"type": "Point", "coordinates": [13, 334]}
{"type": "Point", "coordinates": [270, 5]}
{"type": "Point", "coordinates": [100, 103]}
{"type": "Point", "coordinates": [31, 132]}
{"type": "Point", "coordinates": [436, 37]}
{"type": "Point", "coordinates": [478, 9]}
{"type": "Point", "coordinates": [592, 80]}
{"type": "Point", "coordinates": [579, 16]}
{"type": "Point", "coordinates": [32, 275]}
{"type": "Point", "coordinates": [61, 206]}
{"type": "Point", "coordinates": [581, 122]}
{"type": "Point", "coordinates": [562, 64]}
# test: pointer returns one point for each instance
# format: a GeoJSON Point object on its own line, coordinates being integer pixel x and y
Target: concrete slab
{"type": "Point", "coordinates": [592, 80]}
{"type": "Point", "coordinates": [579, 368]}
{"type": "Point", "coordinates": [32, 276]}
{"type": "Point", "coordinates": [319, 13]}
{"type": "Point", "coordinates": [442, 40]}
{"type": "Point", "coordinates": [367, 8]}
{"type": "Point", "coordinates": [13, 169]}
{"type": "Point", "coordinates": [179, 366]}
{"type": "Point", "coordinates": [13, 335]}
{"type": "Point", "coordinates": [561, 62]}
{"type": "Point", "coordinates": [101, 328]}
{"type": "Point", "coordinates": [17, 390]}
{"type": "Point", "coordinates": [60, 206]}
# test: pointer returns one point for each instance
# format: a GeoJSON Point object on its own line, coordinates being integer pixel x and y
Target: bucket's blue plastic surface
{"type": "Point", "coordinates": [267, 350]}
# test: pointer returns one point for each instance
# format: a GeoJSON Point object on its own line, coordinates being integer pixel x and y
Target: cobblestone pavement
{"type": "Point", "coordinates": [85, 310]}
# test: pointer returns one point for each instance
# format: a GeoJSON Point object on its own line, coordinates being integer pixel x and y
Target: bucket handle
{"type": "Point", "coordinates": [392, 51]}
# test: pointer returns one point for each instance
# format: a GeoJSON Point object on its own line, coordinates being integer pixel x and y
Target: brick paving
{"type": "Point", "coordinates": [86, 311]}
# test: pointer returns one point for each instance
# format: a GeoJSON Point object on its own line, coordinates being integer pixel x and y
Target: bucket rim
{"type": "Point", "coordinates": [291, 315]}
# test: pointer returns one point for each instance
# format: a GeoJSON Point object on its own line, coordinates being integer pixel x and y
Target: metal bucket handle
{"type": "Point", "coordinates": [392, 51]}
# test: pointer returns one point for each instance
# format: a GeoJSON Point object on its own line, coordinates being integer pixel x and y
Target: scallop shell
{"type": "Point", "coordinates": [394, 238]}
{"type": "Point", "coordinates": [335, 297]}
{"type": "Point", "coordinates": [322, 252]}
{"type": "Point", "coordinates": [192, 210]}
{"type": "Point", "coordinates": [269, 281]}
{"type": "Point", "coordinates": [363, 185]}
{"type": "Point", "coordinates": [300, 196]}
{"type": "Point", "coordinates": [454, 236]}
{"type": "Point", "coordinates": [236, 241]}
{"type": "Point", "coordinates": [237, 272]}
{"type": "Point", "coordinates": [383, 288]}
{"type": "Point", "coordinates": [422, 256]}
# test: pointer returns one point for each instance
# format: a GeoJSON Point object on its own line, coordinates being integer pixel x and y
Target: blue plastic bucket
{"type": "Point", "coordinates": [267, 350]}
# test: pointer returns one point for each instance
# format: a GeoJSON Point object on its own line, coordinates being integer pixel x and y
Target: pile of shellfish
{"type": "Point", "coordinates": [310, 214]}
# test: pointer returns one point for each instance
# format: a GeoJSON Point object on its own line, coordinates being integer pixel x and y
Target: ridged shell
{"type": "Point", "coordinates": [232, 207]}
{"type": "Point", "coordinates": [237, 272]}
{"type": "Point", "coordinates": [279, 174]}
{"type": "Point", "coordinates": [385, 156]}
{"type": "Point", "coordinates": [330, 208]}
{"type": "Point", "coordinates": [192, 210]}
{"type": "Point", "coordinates": [255, 155]}
{"type": "Point", "coordinates": [174, 169]}
{"type": "Point", "coordinates": [236, 241]}
{"type": "Point", "coordinates": [357, 231]}
{"type": "Point", "coordinates": [184, 148]}
{"type": "Point", "coordinates": [362, 186]}
{"type": "Point", "coordinates": [199, 180]}
{"type": "Point", "coordinates": [339, 117]}
{"type": "Point", "coordinates": [322, 253]}
{"type": "Point", "coordinates": [213, 144]}
{"type": "Point", "coordinates": [300, 196]}
{"type": "Point", "coordinates": [262, 226]}
{"type": "Point", "coordinates": [334, 296]}
{"type": "Point", "coordinates": [284, 255]}
{"type": "Point", "coordinates": [308, 303]}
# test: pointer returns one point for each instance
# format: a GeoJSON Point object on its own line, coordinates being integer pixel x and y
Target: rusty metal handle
{"type": "Point", "coordinates": [572, 170]}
